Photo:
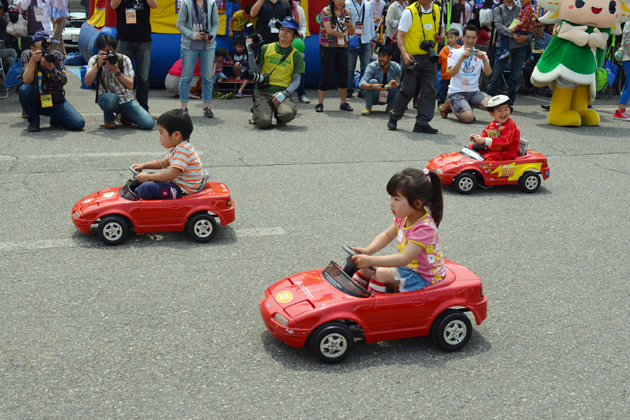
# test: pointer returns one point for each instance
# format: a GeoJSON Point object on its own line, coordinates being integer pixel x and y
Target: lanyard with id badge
{"type": "Point", "coordinates": [274, 19]}
{"type": "Point", "coordinates": [39, 14]}
{"type": "Point", "coordinates": [45, 98]}
{"type": "Point", "coordinates": [358, 27]}
{"type": "Point", "coordinates": [130, 11]}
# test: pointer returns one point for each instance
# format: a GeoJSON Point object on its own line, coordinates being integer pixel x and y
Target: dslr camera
{"type": "Point", "coordinates": [429, 47]}
{"type": "Point", "coordinates": [257, 40]}
{"type": "Point", "coordinates": [261, 78]}
{"type": "Point", "coordinates": [112, 57]}
{"type": "Point", "coordinates": [48, 56]}
{"type": "Point", "coordinates": [207, 33]}
{"type": "Point", "coordinates": [412, 68]}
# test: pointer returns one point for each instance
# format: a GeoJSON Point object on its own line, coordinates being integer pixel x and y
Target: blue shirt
{"type": "Point", "coordinates": [375, 71]}
{"type": "Point", "coordinates": [59, 13]}
{"type": "Point", "coordinates": [541, 43]}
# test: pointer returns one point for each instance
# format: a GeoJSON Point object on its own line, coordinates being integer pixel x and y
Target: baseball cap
{"type": "Point", "coordinates": [290, 23]}
{"type": "Point", "coordinates": [41, 35]}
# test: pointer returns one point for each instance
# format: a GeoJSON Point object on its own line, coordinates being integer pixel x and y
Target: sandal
{"type": "Point", "coordinates": [319, 108]}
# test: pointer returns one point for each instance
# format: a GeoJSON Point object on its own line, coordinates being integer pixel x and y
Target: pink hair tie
{"type": "Point", "coordinates": [425, 171]}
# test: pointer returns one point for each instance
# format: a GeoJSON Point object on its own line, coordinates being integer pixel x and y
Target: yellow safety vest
{"type": "Point", "coordinates": [282, 72]}
{"type": "Point", "coordinates": [426, 21]}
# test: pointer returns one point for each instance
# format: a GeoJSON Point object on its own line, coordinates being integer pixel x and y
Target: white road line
{"type": "Point", "coordinates": [85, 155]}
{"type": "Point", "coordinates": [93, 241]}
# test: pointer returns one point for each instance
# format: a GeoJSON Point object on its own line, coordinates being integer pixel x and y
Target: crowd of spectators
{"type": "Point", "coordinates": [400, 48]}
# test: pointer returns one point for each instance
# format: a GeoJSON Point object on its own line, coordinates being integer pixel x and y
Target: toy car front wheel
{"type": "Point", "coordinates": [202, 227]}
{"type": "Point", "coordinates": [465, 183]}
{"type": "Point", "coordinates": [452, 330]}
{"type": "Point", "coordinates": [332, 342]}
{"type": "Point", "coordinates": [529, 182]}
{"type": "Point", "coordinates": [113, 230]}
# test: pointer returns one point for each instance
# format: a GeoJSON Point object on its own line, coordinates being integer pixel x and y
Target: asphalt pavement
{"type": "Point", "coordinates": [163, 327]}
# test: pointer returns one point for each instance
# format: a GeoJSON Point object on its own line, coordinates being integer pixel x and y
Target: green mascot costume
{"type": "Point", "coordinates": [573, 56]}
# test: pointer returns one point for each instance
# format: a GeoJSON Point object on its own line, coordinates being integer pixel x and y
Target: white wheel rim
{"type": "Point", "coordinates": [531, 182]}
{"type": "Point", "coordinates": [455, 332]}
{"type": "Point", "coordinates": [465, 184]}
{"type": "Point", "coordinates": [112, 231]}
{"type": "Point", "coordinates": [203, 228]}
{"type": "Point", "coordinates": [333, 345]}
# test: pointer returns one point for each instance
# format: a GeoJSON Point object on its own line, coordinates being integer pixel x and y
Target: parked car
{"type": "Point", "coordinates": [71, 31]}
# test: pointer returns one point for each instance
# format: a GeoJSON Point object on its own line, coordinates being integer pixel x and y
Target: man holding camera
{"type": "Point", "coordinates": [42, 93]}
{"type": "Point", "coordinates": [465, 66]}
{"type": "Point", "coordinates": [270, 13]}
{"type": "Point", "coordinates": [380, 81]}
{"type": "Point", "coordinates": [113, 74]}
{"type": "Point", "coordinates": [420, 32]}
{"type": "Point", "coordinates": [280, 67]}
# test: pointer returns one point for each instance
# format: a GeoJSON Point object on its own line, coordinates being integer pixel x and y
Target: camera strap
{"type": "Point", "coordinates": [435, 27]}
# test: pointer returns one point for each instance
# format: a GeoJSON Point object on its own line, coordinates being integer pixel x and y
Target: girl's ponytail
{"type": "Point", "coordinates": [436, 207]}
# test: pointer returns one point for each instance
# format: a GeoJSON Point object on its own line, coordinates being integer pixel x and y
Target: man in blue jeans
{"type": "Point", "coordinates": [133, 31]}
{"type": "Point", "coordinates": [503, 16]}
{"type": "Point", "coordinates": [361, 12]}
{"type": "Point", "coordinates": [381, 81]}
{"type": "Point", "coordinates": [44, 95]}
{"type": "Point", "coordinates": [113, 74]}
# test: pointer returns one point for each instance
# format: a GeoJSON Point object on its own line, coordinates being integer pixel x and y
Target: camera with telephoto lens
{"type": "Point", "coordinates": [412, 68]}
{"type": "Point", "coordinates": [112, 57]}
{"type": "Point", "coordinates": [429, 47]}
{"type": "Point", "coordinates": [47, 55]}
{"type": "Point", "coordinates": [252, 33]}
{"type": "Point", "coordinates": [261, 78]}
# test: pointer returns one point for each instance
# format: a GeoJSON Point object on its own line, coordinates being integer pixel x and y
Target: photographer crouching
{"type": "Point", "coordinates": [42, 93]}
{"type": "Point", "coordinates": [114, 74]}
{"type": "Point", "coordinates": [420, 32]}
{"type": "Point", "coordinates": [276, 73]}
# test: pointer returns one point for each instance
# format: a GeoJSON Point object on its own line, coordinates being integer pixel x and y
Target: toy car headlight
{"type": "Point", "coordinates": [76, 214]}
{"type": "Point", "coordinates": [439, 171]}
{"type": "Point", "coordinates": [281, 320]}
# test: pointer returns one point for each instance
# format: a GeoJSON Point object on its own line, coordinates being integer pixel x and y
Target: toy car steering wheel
{"type": "Point", "coordinates": [134, 172]}
{"type": "Point", "coordinates": [352, 253]}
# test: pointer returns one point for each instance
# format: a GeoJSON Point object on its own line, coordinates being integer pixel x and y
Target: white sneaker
{"type": "Point", "coordinates": [305, 100]}
{"type": "Point", "coordinates": [251, 118]}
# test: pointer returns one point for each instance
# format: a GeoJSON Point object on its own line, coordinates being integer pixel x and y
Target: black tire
{"type": "Point", "coordinates": [332, 342]}
{"type": "Point", "coordinates": [113, 230]}
{"type": "Point", "coordinates": [529, 182]}
{"type": "Point", "coordinates": [465, 183]}
{"type": "Point", "coordinates": [451, 330]}
{"type": "Point", "coordinates": [202, 227]}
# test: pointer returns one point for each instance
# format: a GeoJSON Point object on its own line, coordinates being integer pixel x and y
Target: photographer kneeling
{"type": "Point", "coordinates": [280, 66]}
{"type": "Point", "coordinates": [114, 74]}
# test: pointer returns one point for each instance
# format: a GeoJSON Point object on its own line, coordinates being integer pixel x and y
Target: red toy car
{"type": "Point", "coordinates": [118, 209]}
{"type": "Point", "coordinates": [325, 309]}
{"type": "Point", "coordinates": [467, 169]}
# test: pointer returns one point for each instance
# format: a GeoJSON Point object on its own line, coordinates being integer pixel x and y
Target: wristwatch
{"type": "Point", "coordinates": [118, 73]}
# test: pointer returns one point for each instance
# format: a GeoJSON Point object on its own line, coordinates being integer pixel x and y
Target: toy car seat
{"type": "Point", "coordinates": [206, 176]}
{"type": "Point", "coordinates": [522, 147]}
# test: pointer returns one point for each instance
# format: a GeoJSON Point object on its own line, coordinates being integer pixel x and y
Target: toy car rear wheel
{"type": "Point", "coordinates": [113, 230]}
{"type": "Point", "coordinates": [465, 183]}
{"type": "Point", "coordinates": [332, 342]}
{"type": "Point", "coordinates": [452, 330]}
{"type": "Point", "coordinates": [202, 227]}
{"type": "Point", "coordinates": [529, 182]}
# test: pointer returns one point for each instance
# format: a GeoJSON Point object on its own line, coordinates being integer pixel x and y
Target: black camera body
{"type": "Point", "coordinates": [262, 79]}
{"type": "Point", "coordinates": [207, 33]}
{"type": "Point", "coordinates": [429, 47]}
{"type": "Point", "coordinates": [252, 33]}
{"type": "Point", "coordinates": [112, 57]}
{"type": "Point", "coordinates": [412, 68]}
{"type": "Point", "coordinates": [48, 56]}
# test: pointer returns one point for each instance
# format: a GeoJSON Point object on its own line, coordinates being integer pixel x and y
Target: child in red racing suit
{"type": "Point", "coordinates": [500, 140]}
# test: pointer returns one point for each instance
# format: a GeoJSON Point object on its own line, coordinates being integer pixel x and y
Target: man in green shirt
{"type": "Point", "coordinates": [283, 64]}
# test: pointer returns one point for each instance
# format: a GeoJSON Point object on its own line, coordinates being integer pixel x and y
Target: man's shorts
{"type": "Point", "coordinates": [464, 101]}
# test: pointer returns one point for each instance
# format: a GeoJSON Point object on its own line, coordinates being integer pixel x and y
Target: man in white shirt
{"type": "Point", "coordinates": [465, 66]}
{"type": "Point", "coordinates": [361, 11]}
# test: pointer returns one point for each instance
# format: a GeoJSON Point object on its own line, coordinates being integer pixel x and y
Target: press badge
{"type": "Point", "coordinates": [428, 26]}
{"type": "Point", "coordinates": [341, 41]}
{"type": "Point", "coordinates": [272, 25]}
{"type": "Point", "coordinates": [39, 14]}
{"type": "Point", "coordinates": [46, 101]}
{"type": "Point", "coordinates": [382, 96]}
{"type": "Point", "coordinates": [131, 16]}
{"type": "Point", "coordinates": [358, 29]}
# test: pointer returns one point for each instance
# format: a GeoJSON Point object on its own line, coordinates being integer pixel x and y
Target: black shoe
{"type": "Point", "coordinates": [424, 129]}
{"type": "Point", "coordinates": [545, 107]}
{"type": "Point", "coordinates": [349, 94]}
{"type": "Point", "coordinates": [391, 124]}
{"type": "Point", "coordinates": [33, 128]}
{"type": "Point", "coordinates": [319, 108]}
{"type": "Point", "coordinates": [360, 95]}
{"type": "Point", "coordinates": [345, 107]}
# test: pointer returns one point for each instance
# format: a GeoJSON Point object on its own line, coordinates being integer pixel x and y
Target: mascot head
{"type": "Point", "coordinates": [596, 13]}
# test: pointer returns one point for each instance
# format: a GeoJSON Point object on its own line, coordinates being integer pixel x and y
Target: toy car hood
{"type": "Point", "coordinates": [99, 198]}
{"type": "Point", "coordinates": [449, 161]}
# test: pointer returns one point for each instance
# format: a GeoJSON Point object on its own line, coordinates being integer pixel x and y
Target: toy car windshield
{"type": "Point", "coordinates": [126, 193]}
{"type": "Point", "coordinates": [341, 281]}
{"type": "Point", "coordinates": [471, 154]}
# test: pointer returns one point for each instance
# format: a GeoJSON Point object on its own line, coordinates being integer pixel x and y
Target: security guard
{"type": "Point", "coordinates": [420, 22]}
